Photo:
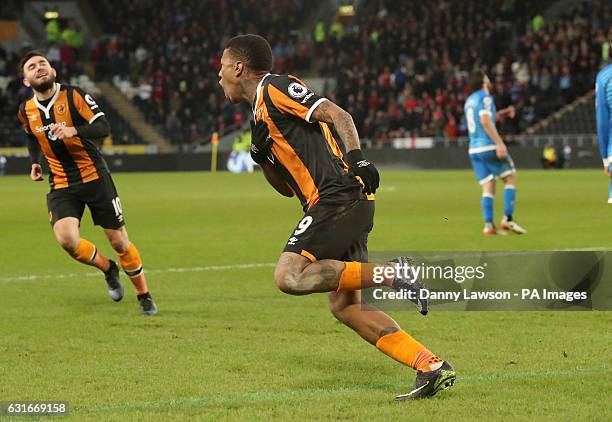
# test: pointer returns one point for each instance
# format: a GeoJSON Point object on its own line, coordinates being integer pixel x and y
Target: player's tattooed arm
{"type": "Point", "coordinates": [328, 112]}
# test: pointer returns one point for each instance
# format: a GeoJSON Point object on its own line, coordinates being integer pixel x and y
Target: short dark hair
{"type": "Point", "coordinates": [253, 50]}
{"type": "Point", "coordinates": [27, 56]}
{"type": "Point", "coordinates": [476, 79]}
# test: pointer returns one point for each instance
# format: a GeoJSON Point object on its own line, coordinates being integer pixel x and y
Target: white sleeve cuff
{"type": "Point", "coordinates": [607, 161]}
{"type": "Point", "coordinates": [485, 113]}
{"type": "Point", "coordinates": [313, 108]}
{"type": "Point", "coordinates": [95, 117]}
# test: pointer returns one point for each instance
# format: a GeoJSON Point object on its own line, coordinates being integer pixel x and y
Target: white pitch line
{"type": "Point", "coordinates": [261, 265]}
{"type": "Point", "coordinates": [592, 249]}
{"type": "Point", "coordinates": [153, 271]}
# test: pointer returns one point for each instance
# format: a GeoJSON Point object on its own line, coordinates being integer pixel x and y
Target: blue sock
{"type": "Point", "coordinates": [509, 200]}
{"type": "Point", "coordinates": [487, 207]}
{"type": "Point", "coordinates": [610, 192]}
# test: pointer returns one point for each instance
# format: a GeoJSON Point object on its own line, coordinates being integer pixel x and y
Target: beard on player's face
{"type": "Point", "coordinates": [44, 84]}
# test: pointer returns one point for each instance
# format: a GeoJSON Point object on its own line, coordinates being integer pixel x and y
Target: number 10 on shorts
{"type": "Point", "coordinates": [117, 206]}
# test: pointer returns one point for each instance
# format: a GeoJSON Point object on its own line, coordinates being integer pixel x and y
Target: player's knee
{"type": "Point", "coordinates": [68, 242]}
{"type": "Point", "coordinates": [337, 308]}
{"type": "Point", "coordinates": [488, 189]}
{"type": "Point", "coordinates": [287, 282]}
{"type": "Point", "coordinates": [119, 245]}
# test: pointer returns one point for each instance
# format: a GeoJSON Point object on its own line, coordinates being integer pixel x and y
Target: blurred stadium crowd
{"type": "Point", "coordinates": [400, 67]}
{"type": "Point", "coordinates": [404, 70]}
{"type": "Point", "coordinates": [167, 59]}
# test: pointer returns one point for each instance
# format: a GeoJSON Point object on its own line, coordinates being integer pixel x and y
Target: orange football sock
{"type": "Point", "coordinates": [350, 279]}
{"type": "Point", "coordinates": [132, 265]}
{"type": "Point", "coordinates": [406, 350]}
{"type": "Point", "coordinates": [87, 253]}
{"type": "Point", "coordinates": [357, 276]}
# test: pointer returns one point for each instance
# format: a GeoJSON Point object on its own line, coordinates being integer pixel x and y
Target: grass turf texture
{"type": "Point", "coordinates": [227, 344]}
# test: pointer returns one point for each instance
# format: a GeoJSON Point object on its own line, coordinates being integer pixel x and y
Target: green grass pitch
{"type": "Point", "coordinates": [228, 345]}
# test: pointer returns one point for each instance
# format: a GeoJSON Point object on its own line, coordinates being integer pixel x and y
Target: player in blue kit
{"type": "Point", "coordinates": [489, 154]}
{"type": "Point", "coordinates": [603, 107]}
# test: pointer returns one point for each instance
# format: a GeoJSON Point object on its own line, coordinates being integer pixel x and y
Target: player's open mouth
{"type": "Point", "coordinates": [42, 76]}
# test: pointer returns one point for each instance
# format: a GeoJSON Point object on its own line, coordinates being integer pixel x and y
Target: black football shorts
{"type": "Point", "coordinates": [338, 231]}
{"type": "Point", "coordinates": [99, 195]}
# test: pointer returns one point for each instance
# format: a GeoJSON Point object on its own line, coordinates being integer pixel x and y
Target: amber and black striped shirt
{"type": "Point", "coordinates": [72, 161]}
{"type": "Point", "coordinates": [310, 158]}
